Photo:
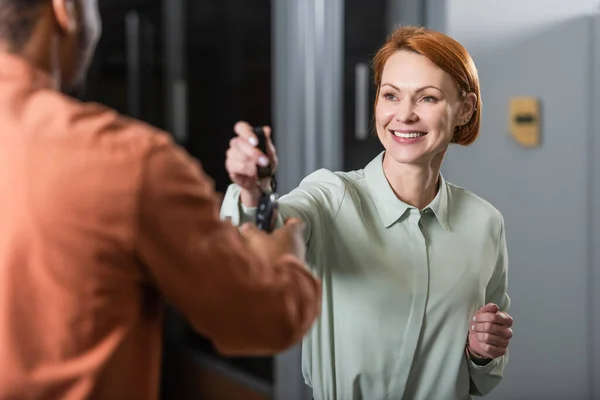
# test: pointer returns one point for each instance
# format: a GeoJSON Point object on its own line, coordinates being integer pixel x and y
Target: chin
{"type": "Point", "coordinates": [405, 154]}
{"type": "Point", "coordinates": [404, 157]}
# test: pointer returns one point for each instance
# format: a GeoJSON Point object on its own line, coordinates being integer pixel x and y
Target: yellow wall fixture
{"type": "Point", "coordinates": [524, 120]}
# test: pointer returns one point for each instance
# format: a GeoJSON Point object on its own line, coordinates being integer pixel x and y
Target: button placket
{"type": "Point", "coordinates": [420, 282]}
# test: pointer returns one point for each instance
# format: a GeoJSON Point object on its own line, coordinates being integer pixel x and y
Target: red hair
{"type": "Point", "coordinates": [447, 54]}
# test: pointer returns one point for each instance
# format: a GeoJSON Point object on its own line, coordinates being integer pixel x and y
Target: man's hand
{"type": "Point", "coordinates": [288, 239]}
{"type": "Point", "coordinates": [489, 333]}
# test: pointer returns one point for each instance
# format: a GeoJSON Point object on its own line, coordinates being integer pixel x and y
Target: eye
{"type": "Point", "coordinates": [390, 96]}
{"type": "Point", "coordinates": [429, 99]}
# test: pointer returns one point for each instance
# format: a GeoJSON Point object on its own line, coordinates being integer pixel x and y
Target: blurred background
{"type": "Point", "coordinates": [195, 67]}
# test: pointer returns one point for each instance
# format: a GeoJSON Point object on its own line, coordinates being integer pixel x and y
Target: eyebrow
{"type": "Point", "coordinates": [418, 90]}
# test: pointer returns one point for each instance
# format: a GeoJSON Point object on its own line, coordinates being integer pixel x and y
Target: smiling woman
{"type": "Point", "coordinates": [444, 54]}
{"type": "Point", "coordinates": [414, 269]}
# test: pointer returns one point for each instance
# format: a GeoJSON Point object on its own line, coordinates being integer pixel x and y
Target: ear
{"type": "Point", "coordinates": [467, 109]}
{"type": "Point", "coordinates": [65, 13]}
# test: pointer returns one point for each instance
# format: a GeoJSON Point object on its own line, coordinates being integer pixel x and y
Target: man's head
{"type": "Point", "coordinates": [59, 36]}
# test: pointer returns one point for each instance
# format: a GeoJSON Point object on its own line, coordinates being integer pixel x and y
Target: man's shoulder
{"type": "Point", "coordinates": [54, 114]}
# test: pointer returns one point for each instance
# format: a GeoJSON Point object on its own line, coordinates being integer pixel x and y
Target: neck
{"type": "Point", "coordinates": [40, 51]}
{"type": "Point", "coordinates": [47, 77]}
{"type": "Point", "coordinates": [414, 184]}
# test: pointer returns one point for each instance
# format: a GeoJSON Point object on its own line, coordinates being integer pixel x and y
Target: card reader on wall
{"type": "Point", "coordinates": [524, 121]}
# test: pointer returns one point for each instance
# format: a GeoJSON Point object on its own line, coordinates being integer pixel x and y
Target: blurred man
{"type": "Point", "coordinates": [101, 217]}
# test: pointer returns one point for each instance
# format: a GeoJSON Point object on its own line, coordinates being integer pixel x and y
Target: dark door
{"type": "Point", "coordinates": [228, 73]}
{"type": "Point", "coordinates": [192, 68]}
{"type": "Point", "coordinates": [127, 69]}
{"type": "Point", "coordinates": [364, 32]}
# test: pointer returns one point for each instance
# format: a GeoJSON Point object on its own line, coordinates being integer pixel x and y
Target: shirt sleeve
{"type": "Point", "coordinates": [316, 201]}
{"type": "Point", "coordinates": [242, 301]}
{"type": "Point", "coordinates": [484, 378]}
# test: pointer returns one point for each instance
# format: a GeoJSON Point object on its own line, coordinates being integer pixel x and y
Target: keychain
{"type": "Point", "coordinates": [267, 204]}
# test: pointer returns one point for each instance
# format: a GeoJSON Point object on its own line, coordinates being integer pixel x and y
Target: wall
{"type": "Point", "coordinates": [549, 195]}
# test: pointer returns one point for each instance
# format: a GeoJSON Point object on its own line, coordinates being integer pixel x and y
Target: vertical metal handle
{"type": "Point", "coordinates": [132, 27]}
{"type": "Point", "coordinates": [148, 98]}
{"type": "Point", "coordinates": [361, 113]}
{"type": "Point", "coordinates": [180, 110]}
{"type": "Point", "coordinates": [174, 17]}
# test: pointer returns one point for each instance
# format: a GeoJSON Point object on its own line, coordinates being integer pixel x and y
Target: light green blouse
{"type": "Point", "coordinates": [400, 286]}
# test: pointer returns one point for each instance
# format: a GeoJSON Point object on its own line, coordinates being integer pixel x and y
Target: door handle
{"type": "Point", "coordinates": [180, 110]}
{"type": "Point", "coordinates": [361, 101]}
{"type": "Point", "coordinates": [132, 27]}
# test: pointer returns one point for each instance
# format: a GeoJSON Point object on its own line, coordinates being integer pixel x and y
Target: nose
{"type": "Point", "coordinates": [405, 112]}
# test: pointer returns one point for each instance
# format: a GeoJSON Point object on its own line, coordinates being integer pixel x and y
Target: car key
{"type": "Point", "coordinates": [267, 203]}
{"type": "Point", "coordinates": [263, 172]}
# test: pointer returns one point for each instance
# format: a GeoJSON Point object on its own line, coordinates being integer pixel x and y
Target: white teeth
{"type": "Point", "coordinates": [408, 135]}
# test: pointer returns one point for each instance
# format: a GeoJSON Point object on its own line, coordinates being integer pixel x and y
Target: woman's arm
{"type": "Point", "coordinates": [486, 377]}
{"type": "Point", "coordinates": [316, 201]}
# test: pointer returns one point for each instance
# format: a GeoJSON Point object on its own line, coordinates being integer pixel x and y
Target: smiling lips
{"type": "Point", "coordinates": [405, 136]}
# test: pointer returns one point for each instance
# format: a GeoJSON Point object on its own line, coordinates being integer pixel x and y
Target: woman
{"type": "Point", "coordinates": [413, 267]}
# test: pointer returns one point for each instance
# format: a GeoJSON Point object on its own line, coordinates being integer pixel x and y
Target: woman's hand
{"type": "Point", "coordinates": [489, 333]}
{"type": "Point", "coordinates": [242, 159]}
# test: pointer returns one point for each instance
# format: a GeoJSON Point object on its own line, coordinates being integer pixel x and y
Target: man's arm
{"type": "Point", "coordinates": [245, 302]}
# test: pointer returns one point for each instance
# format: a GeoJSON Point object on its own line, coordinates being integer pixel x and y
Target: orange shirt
{"type": "Point", "coordinates": [101, 217]}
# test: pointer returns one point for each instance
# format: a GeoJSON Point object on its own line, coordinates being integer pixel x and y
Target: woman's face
{"type": "Point", "coordinates": [418, 109]}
